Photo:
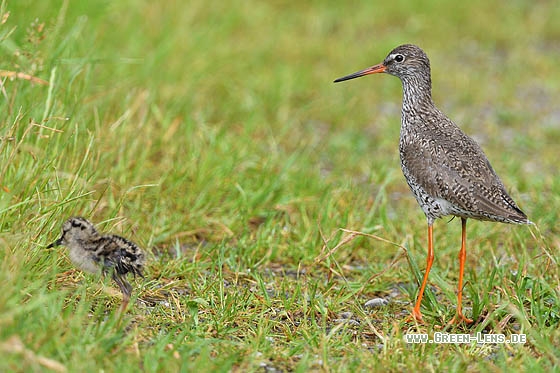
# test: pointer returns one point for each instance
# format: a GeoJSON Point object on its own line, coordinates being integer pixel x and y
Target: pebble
{"type": "Point", "coordinates": [347, 321]}
{"type": "Point", "coordinates": [376, 302]}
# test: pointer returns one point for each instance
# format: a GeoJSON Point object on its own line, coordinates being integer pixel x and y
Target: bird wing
{"type": "Point", "coordinates": [122, 255]}
{"type": "Point", "coordinates": [457, 170]}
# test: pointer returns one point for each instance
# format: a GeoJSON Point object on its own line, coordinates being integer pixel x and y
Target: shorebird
{"type": "Point", "coordinates": [446, 170]}
{"type": "Point", "coordinates": [94, 253]}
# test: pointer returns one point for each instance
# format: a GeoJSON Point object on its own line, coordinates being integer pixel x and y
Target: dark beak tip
{"type": "Point", "coordinates": [348, 77]}
{"type": "Point", "coordinates": [345, 78]}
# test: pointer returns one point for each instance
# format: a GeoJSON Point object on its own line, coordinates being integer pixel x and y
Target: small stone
{"type": "Point", "coordinates": [376, 302]}
{"type": "Point", "coordinates": [347, 321]}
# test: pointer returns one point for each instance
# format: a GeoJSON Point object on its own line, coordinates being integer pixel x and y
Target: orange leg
{"type": "Point", "coordinates": [416, 311]}
{"type": "Point", "coordinates": [462, 258]}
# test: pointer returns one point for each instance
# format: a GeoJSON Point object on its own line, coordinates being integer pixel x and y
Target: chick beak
{"type": "Point", "coordinates": [55, 243]}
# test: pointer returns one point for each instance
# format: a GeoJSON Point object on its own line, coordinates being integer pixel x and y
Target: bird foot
{"type": "Point", "coordinates": [415, 316]}
{"type": "Point", "coordinates": [456, 320]}
{"type": "Point", "coordinates": [459, 318]}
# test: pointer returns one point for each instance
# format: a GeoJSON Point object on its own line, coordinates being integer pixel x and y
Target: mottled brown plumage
{"type": "Point", "coordinates": [94, 253]}
{"type": "Point", "coordinates": [446, 170]}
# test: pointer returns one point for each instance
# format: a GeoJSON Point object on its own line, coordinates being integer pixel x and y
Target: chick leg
{"type": "Point", "coordinates": [125, 287]}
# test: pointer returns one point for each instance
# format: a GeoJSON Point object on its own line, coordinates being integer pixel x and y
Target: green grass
{"type": "Point", "coordinates": [211, 134]}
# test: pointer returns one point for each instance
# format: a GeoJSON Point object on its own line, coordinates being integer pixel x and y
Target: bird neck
{"type": "Point", "coordinates": [417, 94]}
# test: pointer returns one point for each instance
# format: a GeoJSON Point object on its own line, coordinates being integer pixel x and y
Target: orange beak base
{"type": "Point", "coordinates": [380, 68]}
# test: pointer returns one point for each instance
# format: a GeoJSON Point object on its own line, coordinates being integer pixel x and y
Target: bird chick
{"type": "Point", "coordinates": [94, 253]}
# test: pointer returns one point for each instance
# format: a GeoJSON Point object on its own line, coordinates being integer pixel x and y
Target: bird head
{"type": "Point", "coordinates": [404, 61]}
{"type": "Point", "coordinates": [75, 229]}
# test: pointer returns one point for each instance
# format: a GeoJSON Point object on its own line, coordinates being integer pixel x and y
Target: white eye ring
{"type": "Point", "coordinates": [399, 58]}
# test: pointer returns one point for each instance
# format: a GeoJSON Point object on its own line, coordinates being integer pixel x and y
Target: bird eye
{"type": "Point", "coordinates": [399, 58]}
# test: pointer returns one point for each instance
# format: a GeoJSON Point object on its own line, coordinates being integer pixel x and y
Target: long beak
{"type": "Point", "coordinates": [55, 243]}
{"type": "Point", "coordinates": [380, 68]}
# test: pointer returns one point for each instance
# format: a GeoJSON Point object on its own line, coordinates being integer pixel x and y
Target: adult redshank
{"type": "Point", "coordinates": [446, 170]}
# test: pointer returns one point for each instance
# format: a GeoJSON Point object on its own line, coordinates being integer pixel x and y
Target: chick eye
{"type": "Point", "coordinates": [399, 58]}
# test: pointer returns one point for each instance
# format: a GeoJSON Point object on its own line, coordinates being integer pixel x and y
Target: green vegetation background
{"type": "Point", "coordinates": [210, 133]}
